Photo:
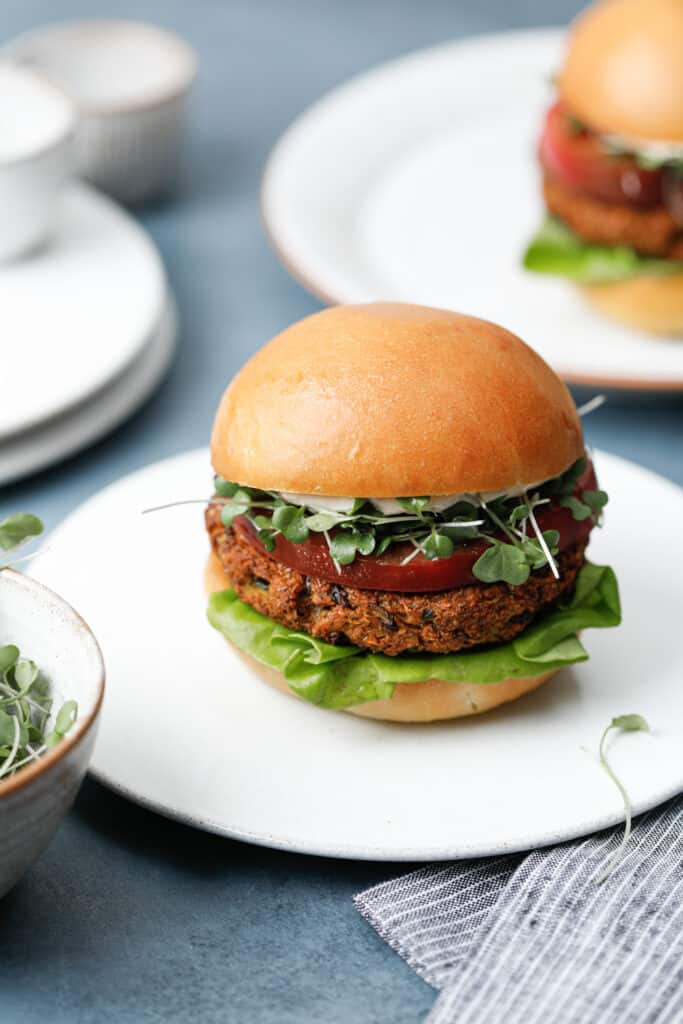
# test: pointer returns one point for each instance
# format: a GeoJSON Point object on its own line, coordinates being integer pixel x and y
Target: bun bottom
{"type": "Point", "coordinates": [429, 701]}
{"type": "Point", "coordinates": [646, 303]}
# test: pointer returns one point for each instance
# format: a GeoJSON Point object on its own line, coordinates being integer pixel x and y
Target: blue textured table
{"type": "Point", "coordinates": [129, 917]}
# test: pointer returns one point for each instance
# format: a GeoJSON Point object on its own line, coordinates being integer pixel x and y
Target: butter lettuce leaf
{"type": "Point", "coordinates": [557, 250]}
{"type": "Point", "coordinates": [340, 677]}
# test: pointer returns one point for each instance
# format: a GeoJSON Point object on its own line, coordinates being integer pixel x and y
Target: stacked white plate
{"type": "Point", "coordinates": [87, 331]}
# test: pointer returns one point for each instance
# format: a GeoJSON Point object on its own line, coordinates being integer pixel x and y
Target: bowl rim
{"type": "Point", "coordinates": [81, 728]}
{"type": "Point", "coordinates": [18, 49]}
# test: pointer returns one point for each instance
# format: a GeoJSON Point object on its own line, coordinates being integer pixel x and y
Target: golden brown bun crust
{"type": "Point", "coordinates": [387, 400]}
{"type": "Point", "coordinates": [430, 701]}
{"type": "Point", "coordinates": [623, 71]}
{"type": "Point", "coordinates": [653, 304]}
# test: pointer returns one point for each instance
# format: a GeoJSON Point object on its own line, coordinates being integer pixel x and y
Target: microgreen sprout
{"type": "Point", "coordinates": [16, 529]}
{"type": "Point", "coordinates": [364, 530]}
{"type": "Point", "coordinates": [25, 707]}
{"type": "Point", "coordinates": [25, 701]}
{"type": "Point", "coordinates": [417, 548]}
{"type": "Point", "coordinates": [625, 723]}
{"type": "Point", "coordinates": [542, 542]}
{"type": "Point", "coordinates": [514, 561]}
{"type": "Point", "coordinates": [591, 405]}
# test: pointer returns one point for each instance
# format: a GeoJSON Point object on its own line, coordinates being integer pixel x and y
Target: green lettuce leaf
{"type": "Point", "coordinates": [557, 250]}
{"type": "Point", "coordinates": [339, 677]}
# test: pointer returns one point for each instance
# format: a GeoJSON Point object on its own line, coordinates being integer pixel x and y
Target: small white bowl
{"type": "Point", "coordinates": [129, 82]}
{"type": "Point", "coordinates": [34, 801]}
{"type": "Point", "coordinates": [36, 136]}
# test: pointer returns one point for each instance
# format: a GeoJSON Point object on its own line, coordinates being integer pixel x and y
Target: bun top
{"type": "Point", "coordinates": [623, 70]}
{"type": "Point", "coordinates": [391, 400]}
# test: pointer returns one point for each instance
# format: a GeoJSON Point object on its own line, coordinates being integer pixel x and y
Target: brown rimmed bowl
{"type": "Point", "coordinates": [34, 801]}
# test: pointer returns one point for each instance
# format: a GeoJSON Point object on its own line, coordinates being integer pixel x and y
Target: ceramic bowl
{"type": "Point", "coordinates": [36, 158]}
{"type": "Point", "coordinates": [34, 801]}
{"type": "Point", "coordinates": [129, 82]}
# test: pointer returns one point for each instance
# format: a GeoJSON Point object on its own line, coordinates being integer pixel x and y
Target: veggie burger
{"type": "Point", "coordinates": [611, 153]}
{"type": "Point", "coordinates": [401, 512]}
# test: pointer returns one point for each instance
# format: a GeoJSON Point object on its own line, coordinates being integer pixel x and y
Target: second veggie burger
{"type": "Point", "coordinates": [611, 154]}
{"type": "Point", "coordinates": [401, 514]}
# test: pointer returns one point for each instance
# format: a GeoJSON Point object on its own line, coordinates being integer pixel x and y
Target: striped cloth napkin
{"type": "Point", "coordinates": [532, 939]}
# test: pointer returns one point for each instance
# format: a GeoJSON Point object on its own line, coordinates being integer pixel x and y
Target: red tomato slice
{"type": "Point", "coordinates": [420, 575]}
{"type": "Point", "coordinates": [578, 161]}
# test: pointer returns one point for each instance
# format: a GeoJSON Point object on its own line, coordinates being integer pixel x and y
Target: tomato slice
{"type": "Point", "coordinates": [420, 575]}
{"type": "Point", "coordinates": [577, 160]}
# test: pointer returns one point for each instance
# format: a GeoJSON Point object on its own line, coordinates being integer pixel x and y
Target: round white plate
{"type": "Point", "coordinates": [418, 182]}
{"type": "Point", "coordinates": [75, 314]}
{"type": "Point", "coordinates": [91, 420]}
{"type": "Point", "coordinates": [189, 732]}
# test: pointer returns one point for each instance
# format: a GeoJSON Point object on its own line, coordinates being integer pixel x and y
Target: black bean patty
{"type": "Point", "coordinates": [392, 623]}
{"type": "Point", "coordinates": [651, 232]}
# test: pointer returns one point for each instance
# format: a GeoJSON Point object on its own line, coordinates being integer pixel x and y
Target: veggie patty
{"type": "Point", "coordinates": [391, 623]}
{"type": "Point", "coordinates": [651, 232]}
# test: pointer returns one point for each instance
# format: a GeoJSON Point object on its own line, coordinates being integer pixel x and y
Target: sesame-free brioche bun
{"type": "Point", "coordinates": [652, 304]}
{"type": "Point", "coordinates": [623, 71]}
{"type": "Point", "coordinates": [393, 400]}
{"type": "Point", "coordinates": [430, 701]}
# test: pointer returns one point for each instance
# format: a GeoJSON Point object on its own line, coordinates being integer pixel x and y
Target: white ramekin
{"type": "Point", "coordinates": [129, 82]}
{"type": "Point", "coordinates": [36, 155]}
{"type": "Point", "coordinates": [34, 801]}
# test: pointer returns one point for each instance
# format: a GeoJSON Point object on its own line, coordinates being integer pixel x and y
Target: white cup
{"type": "Point", "coordinates": [37, 123]}
{"type": "Point", "coordinates": [129, 82]}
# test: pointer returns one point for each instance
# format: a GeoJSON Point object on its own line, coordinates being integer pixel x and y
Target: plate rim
{"type": "Point", "coordinates": [82, 193]}
{"type": "Point", "coordinates": [340, 851]}
{"type": "Point", "coordinates": [129, 391]}
{"type": "Point", "coordinates": [307, 278]}
{"type": "Point", "coordinates": [454, 851]}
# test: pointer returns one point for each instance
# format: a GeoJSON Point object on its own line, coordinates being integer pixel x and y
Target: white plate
{"type": "Point", "coordinates": [91, 420]}
{"type": "Point", "coordinates": [74, 315]}
{"type": "Point", "coordinates": [188, 731]}
{"type": "Point", "coordinates": [418, 182]}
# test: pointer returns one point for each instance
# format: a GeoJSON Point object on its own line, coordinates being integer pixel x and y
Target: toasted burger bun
{"type": "Point", "coordinates": [623, 71]}
{"type": "Point", "coordinates": [391, 400]}
{"type": "Point", "coordinates": [428, 701]}
{"type": "Point", "coordinates": [653, 304]}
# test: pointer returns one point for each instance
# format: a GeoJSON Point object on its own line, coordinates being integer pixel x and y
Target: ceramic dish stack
{"type": "Point", "coordinates": [88, 330]}
{"type": "Point", "coordinates": [87, 323]}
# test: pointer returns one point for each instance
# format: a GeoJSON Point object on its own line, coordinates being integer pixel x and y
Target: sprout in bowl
{"type": "Point", "coordinates": [27, 730]}
{"type": "Point", "coordinates": [51, 690]}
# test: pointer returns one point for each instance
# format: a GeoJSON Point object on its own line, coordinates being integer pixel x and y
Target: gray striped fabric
{"type": "Point", "coordinates": [533, 939]}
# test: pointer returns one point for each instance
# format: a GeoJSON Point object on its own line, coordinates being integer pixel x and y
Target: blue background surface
{"type": "Point", "coordinates": [128, 917]}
